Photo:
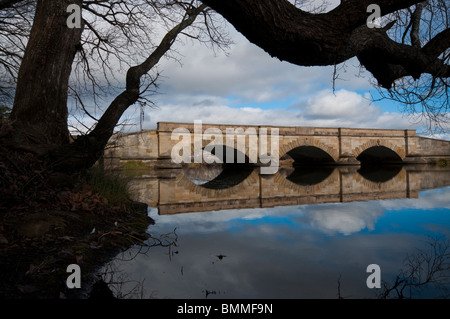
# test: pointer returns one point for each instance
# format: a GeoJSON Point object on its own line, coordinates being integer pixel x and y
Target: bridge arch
{"type": "Point", "coordinates": [206, 193]}
{"type": "Point", "coordinates": [309, 151]}
{"type": "Point", "coordinates": [286, 180]}
{"type": "Point", "coordinates": [310, 176]}
{"type": "Point", "coordinates": [379, 151]}
{"type": "Point", "coordinates": [237, 156]}
{"type": "Point", "coordinates": [379, 174]}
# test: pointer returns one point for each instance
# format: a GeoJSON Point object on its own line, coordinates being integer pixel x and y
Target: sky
{"type": "Point", "coordinates": [247, 86]}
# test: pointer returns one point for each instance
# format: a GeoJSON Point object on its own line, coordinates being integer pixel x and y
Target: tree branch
{"type": "Point", "coordinates": [107, 122]}
{"type": "Point", "coordinates": [307, 39]}
{"type": "Point", "coordinates": [4, 4]}
{"type": "Point", "coordinates": [388, 60]}
{"type": "Point", "coordinates": [437, 45]}
{"type": "Point", "coordinates": [415, 24]}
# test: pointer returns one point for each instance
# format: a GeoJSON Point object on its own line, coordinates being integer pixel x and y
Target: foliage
{"type": "Point", "coordinates": [109, 185]}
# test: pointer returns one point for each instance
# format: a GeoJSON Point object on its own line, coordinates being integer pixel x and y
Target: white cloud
{"type": "Point", "coordinates": [342, 109]}
{"type": "Point", "coordinates": [428, 199]}
{"type": "Point", "coordinates": [345, 220]}
{"type": "Point", "coordinates": [247, 74]}
{"type": "Point", "coordinates": [342, 104]}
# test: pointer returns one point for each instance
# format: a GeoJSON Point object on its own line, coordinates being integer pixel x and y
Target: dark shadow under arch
{"type": "Point", "coordinates": [229, 177]}
{"type": "Point", "coordinates": [379, 164]}
{"type": "Point", "coordinates": [379, 155]}
{"type": "Point", "coordinates": [379, 173]}
{"type": "Point", "coordinates": [310, 155]}
{"type": "Point", "coordinates": [238, 156]}
{"type": "Point", "coordinates": [308, 176]}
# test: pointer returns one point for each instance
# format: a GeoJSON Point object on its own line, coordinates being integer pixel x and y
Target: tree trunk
{"type": "Point", "coordinates": [40, 105]}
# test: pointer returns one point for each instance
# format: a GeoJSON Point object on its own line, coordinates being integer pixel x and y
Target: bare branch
{"type": "Point", "coordinates": [415, 24]}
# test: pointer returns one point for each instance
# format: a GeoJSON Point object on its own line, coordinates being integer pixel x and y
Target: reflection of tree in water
{"type": "Point", "coordinates": [114, 283]}
{"type": "Point", "coordinates": [425, 271]}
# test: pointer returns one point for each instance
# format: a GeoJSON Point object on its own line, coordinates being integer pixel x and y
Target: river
{"type": "Point", "coordinates": [301, 233]}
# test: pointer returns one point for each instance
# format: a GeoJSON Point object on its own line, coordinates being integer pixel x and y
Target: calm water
{"type": "Point", "coordinates": [304, 233]}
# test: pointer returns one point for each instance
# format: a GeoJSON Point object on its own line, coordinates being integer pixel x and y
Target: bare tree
{"type": "Point", "coordinates": [15, 25]}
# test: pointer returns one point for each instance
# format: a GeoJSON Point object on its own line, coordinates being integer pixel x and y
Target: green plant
{"type": "Point", "coordinates": [134, 165]}
{"type": "Point", "coordinates": [110, 185]}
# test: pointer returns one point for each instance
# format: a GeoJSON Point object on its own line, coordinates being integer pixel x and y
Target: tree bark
{"type": "Point", "coordinates": [40, 105]}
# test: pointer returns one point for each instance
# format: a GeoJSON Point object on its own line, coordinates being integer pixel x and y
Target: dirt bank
{"type": "Point", "coordinates": [51, 220]}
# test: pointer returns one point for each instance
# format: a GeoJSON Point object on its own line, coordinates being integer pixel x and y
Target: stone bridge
{"type": "Point", "coordinates": [298, 145]}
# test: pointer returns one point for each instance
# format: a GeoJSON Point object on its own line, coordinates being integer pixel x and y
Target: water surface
{"type": "Point", "coordinates": [301, 233]}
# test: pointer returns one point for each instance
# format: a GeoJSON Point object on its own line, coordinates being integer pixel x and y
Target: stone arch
{"type": "Point", "coordinates": [383, 144]}
{"type": "Point", "coordinates": [286, 148]}
{"type": "Point", "coordinates": [379, 174]}
{"type": "Point", "coordinates": [285, 183]}
{"type": "Point", "coordinates": [377, 186]}
{"type": "Point", "coordinates": [208, 193]}
{"type": "Point", "coordinates": [238, 156]}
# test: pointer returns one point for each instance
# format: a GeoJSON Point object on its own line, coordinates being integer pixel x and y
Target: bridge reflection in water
{"type": "Point", "coordinates": [199, 189]}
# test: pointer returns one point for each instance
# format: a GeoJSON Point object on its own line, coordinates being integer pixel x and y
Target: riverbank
{"type": "Point", "coordinates": [49, 221]}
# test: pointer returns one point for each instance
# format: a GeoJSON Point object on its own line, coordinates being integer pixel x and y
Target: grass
{"type": "Point", "coordinates": [134, 165]}
{"type": "Point", "coordinates": [133, 168]}
{"type": "Point", "coordinates": [110, 185]}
